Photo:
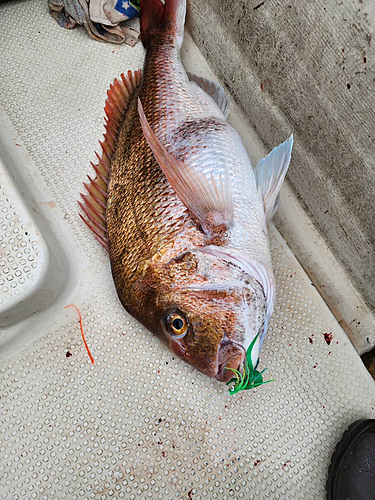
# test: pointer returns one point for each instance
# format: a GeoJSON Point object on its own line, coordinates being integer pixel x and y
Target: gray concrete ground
{"type": "Point", "coordinates": [307, 67]}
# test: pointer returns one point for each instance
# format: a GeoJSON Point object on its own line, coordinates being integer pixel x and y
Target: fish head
{"type": "Point", "coordinates": [208, 313]}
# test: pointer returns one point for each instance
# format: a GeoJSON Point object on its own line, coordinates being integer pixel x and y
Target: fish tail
{"type": "Point", "coordinates": [156, 18]}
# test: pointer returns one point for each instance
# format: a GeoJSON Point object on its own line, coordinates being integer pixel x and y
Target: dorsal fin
{"type": "Point", "coordinates": [214, 90]}
{"type": "Point", "coordinates": [95, 202]}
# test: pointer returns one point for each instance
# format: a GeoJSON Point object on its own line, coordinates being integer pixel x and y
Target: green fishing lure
{"type": "Point", "coordinates": [250, 377]}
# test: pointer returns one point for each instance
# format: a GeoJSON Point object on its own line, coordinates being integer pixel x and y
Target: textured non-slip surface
{"type": "Point", "coordinates": [139, 423]}
{"type": "Point", "coordinates": [20, 252]}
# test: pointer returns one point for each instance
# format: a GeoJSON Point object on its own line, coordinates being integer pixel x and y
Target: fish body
{"type": "Point", "coordinates": [185, 217]}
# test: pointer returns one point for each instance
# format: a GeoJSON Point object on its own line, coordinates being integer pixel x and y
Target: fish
{"type": "Point", "coordinates": [180, 209]}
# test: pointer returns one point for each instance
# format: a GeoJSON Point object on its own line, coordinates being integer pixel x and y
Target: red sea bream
{"type": "Point", "coordinates": [180, 209]}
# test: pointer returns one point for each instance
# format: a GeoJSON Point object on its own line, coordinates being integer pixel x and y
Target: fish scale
{"type": "Point", "coordinates": [184, 218]}
{"type": "Point", "coordinates": [170, 102]}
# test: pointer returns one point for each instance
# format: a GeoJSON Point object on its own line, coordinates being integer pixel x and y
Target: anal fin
{"type": "Point", "coordinates": [270, 173]}
{"type": "Point", "coordinates": [214, 90]}
{"type": "Point", "coordinates": [94, 203]}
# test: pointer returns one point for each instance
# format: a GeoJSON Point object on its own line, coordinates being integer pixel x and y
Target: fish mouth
{"type": "Point", "coordinates": [230, 355]}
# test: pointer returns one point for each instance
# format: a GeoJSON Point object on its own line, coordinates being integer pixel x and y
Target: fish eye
{"type": "Point", "coordinates": [177, 325]}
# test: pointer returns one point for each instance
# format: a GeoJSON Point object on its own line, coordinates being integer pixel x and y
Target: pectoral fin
{"type": "Point", "coordinates": [270, 173]}
{"type": "Point", "coordinates": [210, 202]}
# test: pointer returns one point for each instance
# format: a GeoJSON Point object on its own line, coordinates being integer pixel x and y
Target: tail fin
{"type": "Point", "coordinates": [158, 17]}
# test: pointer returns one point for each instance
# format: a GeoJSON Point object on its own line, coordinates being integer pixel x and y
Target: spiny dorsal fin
{"type": "Point", "coordinates": [208, 201]}
{"type": "Point", "coordinates": [214, 90]}
{"type": "Point", "coordinates": [95, 202]}
{"type": "Point", "coordinates": [270, 173]}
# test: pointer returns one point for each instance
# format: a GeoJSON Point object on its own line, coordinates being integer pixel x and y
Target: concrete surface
{"type": "Point", "coordinates": [307, 67]}
{"type": "Point", "coordinates": [369, 362]}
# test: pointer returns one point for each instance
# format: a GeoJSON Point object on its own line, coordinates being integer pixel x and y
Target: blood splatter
{"type": "Point", "coordinates": [311, 340]}
{"type": "Point", "coordinates": [68, 354]}
{"type": "Point", "coordinates": [328, 338]}
{"type": "Point", "coordinates": [257, 462]}
{"type": "Point", "coordinates": [286, 464]}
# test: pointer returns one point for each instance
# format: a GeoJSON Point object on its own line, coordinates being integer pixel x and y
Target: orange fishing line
{"type": "Point", "coordinates": [81, 327]}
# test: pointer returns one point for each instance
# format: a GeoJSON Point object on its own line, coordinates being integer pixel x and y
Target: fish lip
{"type": "Point", "coordinates": [221, 374]}
{"type": "Point", "coordinates": [229, 343]}
{"type": "Point", "coordinates": [228, 349]}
